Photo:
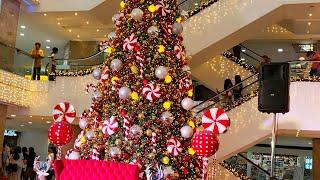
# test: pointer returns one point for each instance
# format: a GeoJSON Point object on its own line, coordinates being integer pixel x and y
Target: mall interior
{"type": "Point", "coordinates": [222, 39]}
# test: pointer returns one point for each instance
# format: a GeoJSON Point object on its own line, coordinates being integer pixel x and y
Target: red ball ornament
{"type": "Point", "coordinates": [60, 133]}
{"type": "Point", "coordinates": [205, 143]}
{"type": "Point", "coordinates": [145, 82]}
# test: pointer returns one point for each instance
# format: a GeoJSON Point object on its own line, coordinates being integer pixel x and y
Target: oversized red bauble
{"type": "Point", "coordinates": [205, 143]}
{"type": "Point", "coordinates": [60, 133]}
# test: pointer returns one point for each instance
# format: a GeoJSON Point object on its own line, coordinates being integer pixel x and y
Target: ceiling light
{"type": "Point", "coordinates": [13, 115]}
{"type": "Point", "coordinates": [48, 122]}
{"type": "Point", "coordinates": [280, 50]}
{"type": "Point", "coordinates": [47, 47]}
{"type": "Point", "coordinates": [21, 125]}
{"type": "Point", "coordinates": [44, 14]}
{"type": "Point", "coordinates": [78, 36]}
{"type": "Point", "coordinates": [243, 50]}
{"type": "Point", "coordinates": [242, 59]}
{"type": "Point", "coordinates": [48, 40]}
{"type": "Point", "coordinates": [310, 143]}
{"type": "Point", "coordinates": [196, 4]}
{"type": "Point", "coordinates": [58, 23]}
{"type": "Point", "coordinates": [87, 22]}
{"type": "Point", "coordinates": [21, 34]}
{"type": "Point", "coordinates": [23, 26]}
{"type": "Point", "coordinates": [69, 30]}
{"type": "Point", "coordinates": [310, 14]}
{"type": "Point", "coordinates": [98, 30]}
{"type": "Point", "coordinates": [30, 116]}
{"type": "Point", "coordinates": [309, 23]}
{"type": "Point", "coordinates": [76, 14]}
{"type": "Point", "coordinates": [30, 122]}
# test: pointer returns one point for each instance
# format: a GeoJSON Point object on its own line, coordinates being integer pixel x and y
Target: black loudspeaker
{"type": "Point", "coordinates": [274, 85]}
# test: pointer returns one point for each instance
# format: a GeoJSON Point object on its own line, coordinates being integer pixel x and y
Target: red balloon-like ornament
{"type": "Point", "coordinates": [205, 143]}
{"type": "Point", "coordinates": [60, 133]}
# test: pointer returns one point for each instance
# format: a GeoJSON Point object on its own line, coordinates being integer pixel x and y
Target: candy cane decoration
{"type": "Point", "coordinates": [178, 52]}
{"type": "Point", "coordinates": [185, 84]}
{"type": "Point", "coordinates": [140, 59]}
{"type": "Point", "coordinates": [105, 75]}
{"type": "Point", "coordinates": [154, 141]}
{"type": "Point", "coordinates": [130, 43]}
{"type": "Point", "coordinates": [204, 167]}
{"type": "Point", "coordinates": [90, 87]}
{"type": "Point", "coordinates": [167, 29]}
{"type": "Point", "coordinates": [126, 124]}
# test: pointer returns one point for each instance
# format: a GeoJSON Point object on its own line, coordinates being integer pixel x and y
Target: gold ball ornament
{"type": "Point", "coordinates": [134, 96]}
{"type": "Point", "coordinates": [191, 151]}
{"type": "Point", "coordinates": [141, 116]}
{"type": "Point", "coordinates": [118, 142]}
{"type": "Point", "coordinates": [161, 48]}
{"type": "Point", "coordinates": [167, 79]}
{"type": "Point", "coordinates": [151, 156]}
{"type": "Point", "coordinates": [179, 19]}
{"type": "Point", "coordinates": [191, 123]}
{"type": "Point", "coordinates": [152, 8]}
{"type": "Point", "coordinates": [165, 160]}
{"type": "Point", "coordinates": [114, 79]}
{"type": "Point", "coordinates": [148, 132]}
{"type": "Point", "coordinates": [122, 4]}
{"type": "Point", "coordinates": [83, 140]}
{"type": "Point", "coordinates": [190, 93]}
{"type": "Point", "coordinates": [134, 69]}
{"type": "Point", "coordinates": [109, 50]}
{"type": "Point", "coordinates": [166, 105]}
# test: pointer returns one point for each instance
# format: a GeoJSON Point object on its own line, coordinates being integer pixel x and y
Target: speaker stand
{"type": "Point", "coordinates": [273, 143]}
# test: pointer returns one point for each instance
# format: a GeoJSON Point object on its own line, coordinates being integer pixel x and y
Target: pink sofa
{"type": "Point", "coordinates": [94, 170]}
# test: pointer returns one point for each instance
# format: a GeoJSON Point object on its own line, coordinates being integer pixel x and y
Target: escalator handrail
{"type": "Point", "coordinates": [222, 92]}
{"type": "Point", "coordinates": [255, 165]}
{"type": "Point", "coordinates": [250, 50]}
{"type": "Point", "coordinates": [255, 59]}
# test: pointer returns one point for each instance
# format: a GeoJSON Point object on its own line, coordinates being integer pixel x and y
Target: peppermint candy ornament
{"type": "Point", "coordinates": [105, 75]}
{"type": "Point", "coordinates": [185, 84]}
{"type": "Point", "coordinates": [151, 92]}
{"type": "Point", "coordinates": [94, 155]}
{"type": "Point", "coordinates": [130, 43]}
{"type": "Point", "coordinates": [167, 29]}
{"type": "Point", "coordinates": [215, 120]}
{"type": "Point", "coordinates": [110, 126]}
{"type": "Point", "coordinates": [163, 8]}
{"type": "Point", "coordinates": [64, 112]}
{"type": "Point", "coordinates": [174, 146]}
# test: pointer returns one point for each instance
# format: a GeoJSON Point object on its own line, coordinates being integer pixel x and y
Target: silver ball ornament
{"type": "Point", "coordinates": [137, 14]}
{"type": "Point", "coordinates": [96, 73]}
{"type": "Point", "coordinates": [83, 123]}
{"type": "Point", "coordinates": [187, 103]}
{"type": "Point", "coordinates": [124, 92]}
{"type": "Point", "coordinates": [90, 134]}
{"type": "Point", "coordinates": [116, 64]}
{"type": "Point", "coordinates": [167, 117]}
{"type": "Point", "coordinates": [186, 132]}
{"type": "Point", "coordinates": [74, 155]}
{"type": "Point", "coordinates": [112, 35]}
{"type": "Point", "coordinates": [177, 28]}
{"type": "Point", "coordinates": [161, 72]}
{"type": "Point", "coordinates": [153, 31]}
{"type": "Point", "coordinates": [135, 131]}
{"type": "Point", "coordinates": [115, 17]}
{"type": "Point", "coordinates": [96, 96]}
{"type": "Point", "coordinates": [114, 152]}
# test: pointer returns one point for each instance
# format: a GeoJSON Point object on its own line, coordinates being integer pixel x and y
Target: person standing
{"type": "Point", "coordinates": [37, 54]}
{"type": "Point", "coordinates": [52, 73]}
{"type": "Point", "coordinates": [315, 66]}
{"type": "Point", "coordinates": [30, 173]}
{"type": "Point", "coordinates": [237, 91]}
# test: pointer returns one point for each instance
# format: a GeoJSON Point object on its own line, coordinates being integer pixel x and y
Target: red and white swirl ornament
{"type": "Point", "coordinates": [167, 29]}
{"type": "Point", "coordinates": [163, 8]}
{"type": "Point", "coordinates": [64, 112]}
{"type": "Point", "coordinates": [151, 91]}
{"type": "Point", "coordinates": [130, 43]}
{"type": "Point", "coordinates": [215, 120]}
{"type": "Point", "coordinates": [185, 84]}
{"type": "Point", "coordinates": [90, 88]}
{"type": "Point", "coordinates": [178, 52]}
{"type": "Point", "coordinates": [174, 146]}
{"type": "Point", "coordinates": [110, 126]}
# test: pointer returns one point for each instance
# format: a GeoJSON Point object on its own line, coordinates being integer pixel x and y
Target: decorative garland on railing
{"type": "Point", "coordinates": [77, 73]}
{"type": "Point", "coordinates": [240, 62]}
{"type": "Point", "coordinates": [234, 171]}
{"type": "Point", "coordinates": [201, 7]}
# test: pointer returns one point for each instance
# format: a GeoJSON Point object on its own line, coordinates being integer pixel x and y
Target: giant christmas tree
{"type": "Point", "coordinates": [141, 106]}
